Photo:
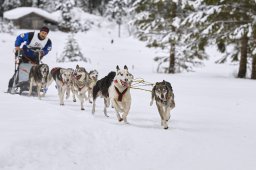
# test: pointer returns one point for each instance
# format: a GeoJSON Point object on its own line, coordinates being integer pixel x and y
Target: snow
{"type": "Point", "coordinates": [23, 11]}
{"type": "Point", "coordinates": [212, 127]}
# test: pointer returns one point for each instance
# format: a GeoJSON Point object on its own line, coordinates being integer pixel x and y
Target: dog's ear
{"type": "Point", "coordinates": [61, 71]}
{"type": "Point", "coordinates": [125, 67]}
{"type": "Point", "coordinates": [117, 68]}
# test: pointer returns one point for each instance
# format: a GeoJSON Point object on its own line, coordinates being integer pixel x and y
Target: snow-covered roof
{"type": "Point", "coordinates": [23, 11]}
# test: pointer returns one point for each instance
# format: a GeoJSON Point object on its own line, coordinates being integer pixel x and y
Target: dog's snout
{"type": "Point", "coordinates": [67, 79]}
{"type": "Point", "coordinates": [126, 80]}
{"type": "Point", "coordinates": [162, 96]}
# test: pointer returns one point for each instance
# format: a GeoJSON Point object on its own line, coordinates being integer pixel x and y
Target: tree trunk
{"type": "Point", "coordinates": [253, 76]}
{"type": "Point", "coordinates": [243, 59]}
{"type": "Point", "coordinates": [119, 30]}
{"type": "Point", "coordinates": [172, 59]}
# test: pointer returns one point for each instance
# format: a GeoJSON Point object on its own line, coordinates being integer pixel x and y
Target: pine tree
{"type": "Point", "coordinates": [10, 4]}
{"type": "Point", "coordinates": [47, 5]}
{"type": "Point", "coordinates": [93, 6]}
{"type": "Point", "coordinates": [26, 3]}
{"type": "Point", "coordinates": [35, 3]}
{"type": "Point", "coordinates": [68, 24]}
{"type": "Point", "coordinates": [6, 27]}
{"type": "Point", "coordinates": [1, 8]}
{"type": "Point", "coordinates": [158, 23]}
{"type": "Point", "coordinates": [117, 10]}
{"type": "Point", "coordinates": [71, 52]}
{"type": "Point", "coordinates": [227, 22]}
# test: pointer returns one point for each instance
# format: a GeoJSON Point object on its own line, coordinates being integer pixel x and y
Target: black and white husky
{"type": "Point", "coordinates": [101, 89]}
{"type": "Point", "coordinates": [38, 76]}
{"type": "Point", "coordinates": [163, 94]}
{"type": "Point", "coordinates": [115, 88]}
{"type": "Point", "coordinates": [63, 80]}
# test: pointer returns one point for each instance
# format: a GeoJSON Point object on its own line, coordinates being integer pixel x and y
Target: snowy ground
{"type": "Point", "coordinates": [212, 127]}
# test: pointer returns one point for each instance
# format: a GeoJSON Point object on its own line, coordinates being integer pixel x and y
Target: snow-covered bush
{"type": "Point", "coordinates": [6, 27]}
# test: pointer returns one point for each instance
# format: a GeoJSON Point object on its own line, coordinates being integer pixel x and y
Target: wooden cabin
{"type": "Point", "coordinates": [30, 18]}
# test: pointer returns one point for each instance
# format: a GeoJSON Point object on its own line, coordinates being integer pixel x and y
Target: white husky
{"type": "Point", "coordinates": [119, 93]}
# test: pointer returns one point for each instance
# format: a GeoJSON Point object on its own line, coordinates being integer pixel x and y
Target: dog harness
{"type": "Point", "coordinates": [120, 95]}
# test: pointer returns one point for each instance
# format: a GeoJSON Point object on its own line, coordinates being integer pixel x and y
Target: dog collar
{"type": "Point", "coordinates": [120, 95]}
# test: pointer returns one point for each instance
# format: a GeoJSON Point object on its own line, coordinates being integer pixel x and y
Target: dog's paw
{"type": "Point", "coordinates": [106, 114]}
{"type": "Point", "coordinates": [120, 119]}
{"type": "Point", "coordinates": [82, 108]}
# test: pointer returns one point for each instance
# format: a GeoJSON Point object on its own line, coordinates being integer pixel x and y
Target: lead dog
{"type": "Point", "coordinates": [119, 93]}
{"type": "Point", "coordinates": [38, 77]}
{"type": "Point", "coordinates": [163, 94]}
{"type": "Point", "coordinates": [62, 78]}
{"type": "Point", "coordinates": [115, 87]}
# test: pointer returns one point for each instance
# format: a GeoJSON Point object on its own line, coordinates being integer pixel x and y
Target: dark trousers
{"type": "Point", "coordinates": [10, 84]}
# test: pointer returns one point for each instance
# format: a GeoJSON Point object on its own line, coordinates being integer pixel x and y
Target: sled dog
{"type": "Point", "coordinates": [115, 88]}
{"type": "Point", "coordinates": [163, 94]}
{"type": "Point", "coordinates": [38, 76]}
{"type": "Point", "coordinates": [119, 93]}
{"type": "Point", "coordinates": [101, 89]}
{"type": "Point", "coordinates": [79, 85]}
{"type": "Point", "coordinates": [92, 79]}
{"type": "Point", "coordinates": [62, 78]}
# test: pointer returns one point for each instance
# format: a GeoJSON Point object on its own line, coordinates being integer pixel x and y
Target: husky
{"type": "Point", "coordinates": [79, 85]}
{"type": "Point", "coordinates": [38, 76]}
{"type": "Point", "coordinates": [115, 88]}
{"type": "Point", "coordinates": [62, 78]}
{"type": "Point", "coordinates": [101, 89]}
{"type": "Point", "coordinates": [163, 94]}
{"type": "Point", "coordinates": [92, 79]}
{"type": "Point", "coordinates": [119, 93]}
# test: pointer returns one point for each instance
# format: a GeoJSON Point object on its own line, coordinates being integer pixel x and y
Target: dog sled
{"type": "Point", "coordinates": [21, 83]}
{"type": "Point", "coordinates": [21, 79]}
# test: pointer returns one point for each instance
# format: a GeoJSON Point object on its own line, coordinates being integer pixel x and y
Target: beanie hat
{"type": "Point", "coordinates": [45, 29]}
